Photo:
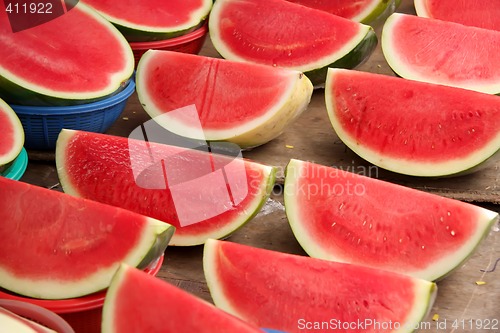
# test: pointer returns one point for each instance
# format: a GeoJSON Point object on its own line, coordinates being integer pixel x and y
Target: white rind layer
{"type": "Point", "coordinates": [400, 165]}
{"type": "Point", "coordinates": [292, 103]}
{"type": "Point", "coordinates": [434, 271]}
{"type": "Point", "coordinates": [18, 134]}
{"type": "Point", "coordinates": [195, 18]}
{"type": "Point", "coordinates": [421, 8]}
{"type": "Point", "coordinates": [394, 59]}
{"type": "Point", "coordinates": [116, 79]}
{"type": "Point", "coordinates": [226, 52]}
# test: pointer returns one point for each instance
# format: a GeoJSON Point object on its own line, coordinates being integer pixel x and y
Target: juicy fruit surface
{"type": "Point", "coordinates": [342, 216]}
{"type": "Point", "coordinates": [12, 135]}
{"type": "Point", "coordinates": [413, 120]}
{"type": "Point", "coordinates": [410, 44]}
{"type": "Point", "coordinates": [65, 230]}
{"type": "Point", "coordinates": [186, 313]}
{"type": "Point", "coordinates": [288, 43]}
{"type": "Point", "coordinates": [309, 289]}
{"type": "Point", "coordinates": [101, 168]}
{"type": "Point", "coordinates": [174, 80]}
{"type": "Point", "coordinates": [68, 59]}
{"type": "Point", "coordinates": [477, 13]}
{"type": "Point", "coordinates": [159, 14]}
{"type": "Point", "coordinates": [348, 9]}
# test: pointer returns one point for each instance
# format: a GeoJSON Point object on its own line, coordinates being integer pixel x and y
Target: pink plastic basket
{"type": "Point", "coordinates": [84, 314]}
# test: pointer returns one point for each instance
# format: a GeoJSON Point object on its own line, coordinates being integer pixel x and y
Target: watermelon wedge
{"type": "Point", "coordinates": [72, 65]}
{"type": "Point", "coordinates": [412, 127]}
{"type": "Point", "coordinates": [141, 21]}
{"type": "Point", "coordinates": [340, 216]}
{"type": "Point", "coordinates": [442, 52]}
{"type": "Point", "coordinates": [295, 294]}
{"type": "Point", "coordinates": [10, 322]}
{"type": "Point", "coordinates": [12, 135]}
{"type": "Point", "coordinates": [220, 100]}
{"type": "Point", "coordinates": [303, 39]}
{"type": "Point", "coordinates": [202, 194]}
{"type": "Point", "coordinates": [364, 11]}
{"type": "Point", "coordinates": [478, 13]}
{"type": "Point", "coordinates": [82, 242]}
{"type": "Point", "coordinates": [137, 302]}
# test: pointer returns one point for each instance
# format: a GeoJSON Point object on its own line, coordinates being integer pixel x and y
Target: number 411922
{"type": "Point", "coordinates": [29, 8]}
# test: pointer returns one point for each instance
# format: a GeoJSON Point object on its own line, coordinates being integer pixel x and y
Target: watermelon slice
{"type": "Point", "coordinates": [202, 194]}
{"type": "Point", "coordinates": [82, 242]}
{"type": "Point", "coordinates": [141, 21]}
{"type": "Point", "coordinates": [341, 216]}
{"type": "Point", "coordinates": [365, 11]}
{"type": "Point", "coordinates": [412, 127]}
{"type": "Point", "coordinates": [72, 65]}
{"type": "Point", "coordinates": [12, 135]}
{"type": "Point", "coordinates": [137, 302]}
{"type": "Point", "coordinates": [227, 108]}
{"type": "Point", "coordinates": [442, 52]}
{"type": "Point", "coordinates": [10, 322]}
{"type": "Point", "coordinates": [295, 293]}
{"type": "Point", "coordinates": [478, 13]}
{"type": "Point", "coordinates": [304, 39]}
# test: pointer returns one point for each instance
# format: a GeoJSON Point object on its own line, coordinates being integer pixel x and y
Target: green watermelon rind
{"type": "Point", "coordinates": [435, 272]}
{"type": "Point", "coordinates": [18, 91]}
{"type": "Point", "coordinates": [143, 33]}
{"type": "Point", "coordinates": [420, 310]}
{"type": "Point", "coordinates": [395, 63]}
{"type": "Point", "coordinates": [381, 11]}
{"type": "Point", "coordinates": [7, 159]}
{"type": "Point", "coordinates": [353, 59]}
{"type": "Point", "coordinates": [250, 211]}
{"type": "Point", "coordinates": [350, 55]}
{"type": "Point", "coordinates": [254, 133]}
{"type": "Point", "coordinates": [443, 169]}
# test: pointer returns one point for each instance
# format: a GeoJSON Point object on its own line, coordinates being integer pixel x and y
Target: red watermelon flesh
{"type": "Point", "coordinates": [82, 242]}
{"type": "Point", "coordinates": [289, 35]}
{"type": "Point", "coordinates": [12, 134]}
{"type": "Point", "coordinates": [478, 13]}
{"type": "Point", "coordinates": [142, 17]}
{"type": "Point", "coordinates": [63, 61]}
{"type": "Point", "coordinates": [442, 52]}
{"type": "Point", "coordinates": [222, 96]}
{"type": "Point", "coordinates": [164, 182]}
{"type": "Point", "coordinates": [412, 127]}
{"type": "Point", "coordinates": [137, 302]}
{"type": "Point", "coordinates": [287, 292]}
{"type": "Point", "coordinates": [341, 216]}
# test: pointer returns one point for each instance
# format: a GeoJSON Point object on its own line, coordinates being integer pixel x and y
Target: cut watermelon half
{"type": "Point", "coordinates": [220, 100]}
{"type": "Point", "coordinates": [137, 302]}
{"type": "Point", "coordinates": [364, 11]}
{"type": "Point", "coordinates": [141, 21]}
{"type": "Point", "coordinates": [81, 242]}
{"type": "Point", "coordinates": [412, 127]}
{"type": "Point", "coordinates": [442, 52]}
{"type": "Point", "coordinates": [291, 293]}
{"type": "Point", "coordinates": [63, 63]}
{"type": "Point", "coordinates": [12, 135]}
{"type": "Point", "coordinates": [478, 13]}
{"type": "Point", "coordinates": [340, 216]}
{"type": "Point", "coordinates": [203, 195]}
{"type": "Point", "coordinates": [299, 38]}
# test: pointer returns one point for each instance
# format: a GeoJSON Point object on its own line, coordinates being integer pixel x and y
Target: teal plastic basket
{"type": "Point", "coordinates": [42, 124]}
{"type": "Point", "coordinates": [18, 167]}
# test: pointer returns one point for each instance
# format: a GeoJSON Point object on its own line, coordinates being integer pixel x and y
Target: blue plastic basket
{"type": "Point", "coordinates": [42, 124]}
{"type": "Point", "coordinates": [18, 167]}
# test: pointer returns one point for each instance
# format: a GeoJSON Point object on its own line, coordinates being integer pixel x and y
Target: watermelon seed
{"type": "Point", "coordinates": [423, 247]}
{"type": "Point", "coordinates": [432, 146]}
{"type": "Point", "coordinates": [453, 232]}
{"type": "Point", "coordinates": [385, 239]}
{"type": "Point", "coordinates": [449, 213]}
{"type": "Point", "coordinates": [341, 205]}
{"type": "Point", "coordinates": [441, 219]}
{"type": "Point", "coordinates": [406, 141]}
{"type": "Point", "coordinates": [447, 227]}
{"type": "Point", "coordinates": [439, 125]}
{"type": "Point", "coordinates": [334, 223]}
{"type": "Point", "coordinates": [364, 223]}
{"type": "Point", "coordinates": [359, 240]}
{"type": "Point", "coordinates": [401, 240]}
{"type": "Point", "coordinates": [370, 227]}
{"type": "Point", "coordinates": [473, 130]}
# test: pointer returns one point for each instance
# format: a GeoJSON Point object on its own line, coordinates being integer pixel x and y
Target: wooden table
{"type": "Point", "coordinates": [313, 139]}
